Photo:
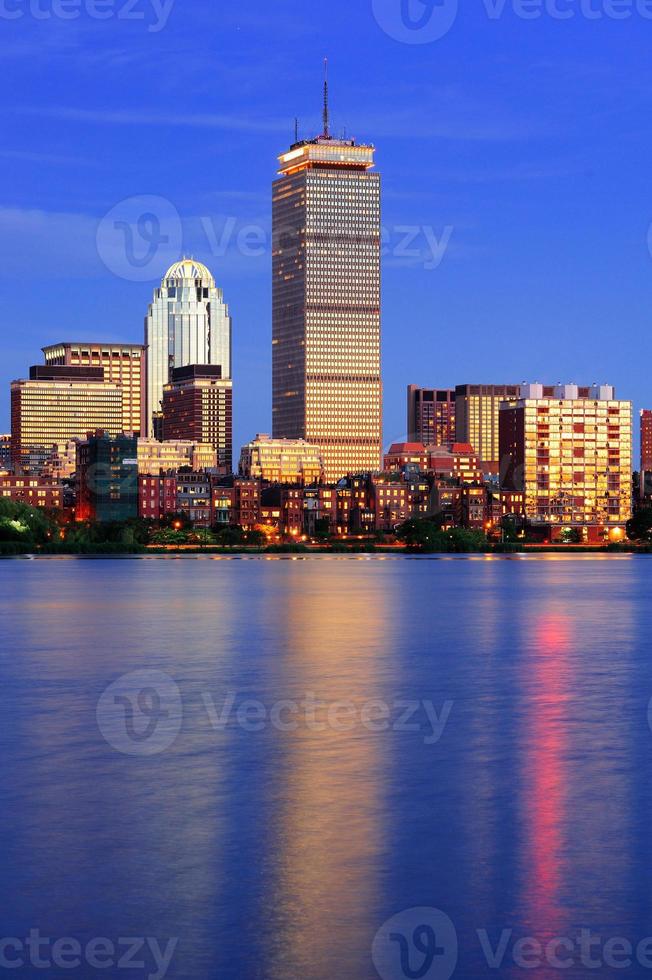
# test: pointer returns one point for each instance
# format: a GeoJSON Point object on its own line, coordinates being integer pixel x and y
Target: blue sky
{"type": "Point", "coordinates": [516, 157]}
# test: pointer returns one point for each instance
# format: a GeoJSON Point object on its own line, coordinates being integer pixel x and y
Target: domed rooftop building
{"type": "Point", "coordinates": [189, 269]}
{"type": "Point", "coordinates": [187, 323]}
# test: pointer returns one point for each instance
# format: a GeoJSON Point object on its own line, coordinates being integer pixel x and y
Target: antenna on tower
{"type": "Point", "coordinates": [296, 130]}
{"type": "Point", "coordinates": [326, 113]}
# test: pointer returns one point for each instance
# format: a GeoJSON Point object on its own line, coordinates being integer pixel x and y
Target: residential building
{"type": "Point", "coordinates": [157, 496]}
{"type": "Point", "coordinates": [282, 461]}
{"type": "Point", "coordinates": [194, 497]}
{"type": "Point", "coordinates": [238, 498]}
{"type": "Point", "coordinates": [61, 464]}
{"type": "Point", "coordinates": [156, 457]}
{"type": "Point", "coordinates": [123, 365]}
{"type": "Point", "coordinates": [431, 415]}
{"type": "Point", "coordinates": [198, 407]}
{"type": "Point", "coordinates": [569, 452]}
{"type": "Point", "coordinates": [32, 490]}
{"type": "Point", "coordinates": [646, 455]}
{"type": "Point", "coordinates": [56, 404]}
{"type": "Point", "coordinates": [458, 461]}
{"type": "Point", "coordinates": [107, 478]}
{"type": "Point", "coordinates": [187, 323]}
{"type": "Point", "coordinates": [326, 355]}
{"type": "Point", "coordinates": [5, 452]}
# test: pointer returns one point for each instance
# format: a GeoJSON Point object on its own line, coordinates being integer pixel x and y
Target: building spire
{"type": "Point", "coordinates": [326, 110]}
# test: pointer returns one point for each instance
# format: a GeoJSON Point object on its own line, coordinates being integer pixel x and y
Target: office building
{"type": "Point", "coordinates": [326, 302]}
{"type": "Point", "coordinates": [477, 410]}
{"type": "Point", "coordinates": [431, 415]}
{"type": "Point", "coordinates": [282, 460]}
{"type": "Point", "coordinates": [198, 407]}
{"type": "Point", "coordinates": [569, 451]}
{"type": "Point", "coordinates": [57, 404]}
{"type": "Point", "coordinates": [123, 364]}
{"type": "Point", "coordinates": [107, 478]}
{"type": "Point", "coordinates": [187, 323]}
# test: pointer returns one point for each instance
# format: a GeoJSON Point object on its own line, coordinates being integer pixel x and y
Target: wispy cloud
{"type": "Point", "coordinates": [28, 156]}
{"type": "Point", "coordinates": [142, 117]}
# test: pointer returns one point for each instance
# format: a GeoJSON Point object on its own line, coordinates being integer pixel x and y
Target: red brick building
{"type": "Point", "coordinates": [431, 415]}
{"type": "Point", "coordinates": [32, 490]}
{"type": "Point", "coordinates": [157, 497]}
{"type": "Point", "coordinates": [198, 406]}
{"type": "Point", "coordinates": [646, 453]}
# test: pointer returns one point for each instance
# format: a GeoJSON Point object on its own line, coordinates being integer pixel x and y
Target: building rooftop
{"type": "Point", "coordinates": [190, 269]}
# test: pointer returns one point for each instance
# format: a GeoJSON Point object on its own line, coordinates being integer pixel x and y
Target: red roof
{"type": "Point", "coordinates": [400, 448]}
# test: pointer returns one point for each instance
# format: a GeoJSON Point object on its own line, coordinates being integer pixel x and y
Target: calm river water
{"type": "Point", "coordinates": [326, 769]}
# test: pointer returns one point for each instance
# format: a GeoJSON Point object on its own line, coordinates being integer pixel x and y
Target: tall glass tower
{"type": "Point", "coordinates": [187, 323]}
{"type": "Point", "coordinates": [326, 302]}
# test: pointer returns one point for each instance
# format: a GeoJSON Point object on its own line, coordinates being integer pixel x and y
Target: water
{"type": "Point", "coordinates": [274, 840]}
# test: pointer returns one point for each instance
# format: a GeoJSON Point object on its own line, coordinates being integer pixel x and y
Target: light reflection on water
{"type": "Point", "coordinates": [278, 854]}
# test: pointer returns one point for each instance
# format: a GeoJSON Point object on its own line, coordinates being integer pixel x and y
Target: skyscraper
{"type": "Point", "coordinates": [57, 404]}
{"type": "Point", "coordinates": [124, 365]}
{"type": "Point", "coordinates": [477, 409]}
{"type": "Point", "coordinates": [198, 406]}
{"type": "Point", "coordinates": [431, 415]}
{"type": "Point", "coordinates": [326, 302]}
{"type": "Point", "coordinates": [187, 323]}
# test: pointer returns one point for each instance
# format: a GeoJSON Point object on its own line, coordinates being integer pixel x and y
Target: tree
{"type": "Point", "coordinates": [640, 526]}
{"type": "Point", "coordinates": [426, 536]}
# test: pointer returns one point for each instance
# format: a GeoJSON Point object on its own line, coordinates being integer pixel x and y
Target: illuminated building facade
{"type": "Point", "coordinates": [646, 454]}
{"type": "Point", "coordinates": [35, 491]}
{"type": "Point", "coordinates": [570, 454]}
{"type": "Point", "coordinates": [282, 460]}
{"type": "Point", "coordinates": [431, 415]}
{"type": "Point", "coordinates": [124, 366]}
{"type": "Point", "coordinates": [187, 323]}
{"type": "Point", "coordinates": [477, 409]}
{"type": "Point", "coordinates": [458, 461]}
{"type": "Point", "coordinates": [326, 303]}
{"type": "Point", "coordinates": [5, 452]}
{"type": "Point", "coordinates": [198, 406]}
{"type": "Point", "coordinates": [107, 478]}
{"type": "Point", "coordinates": [155, 458]}
{"type": "Point", "coordinates": [61, 464]}
{"type": "Point", "coordinates": [57, 404]}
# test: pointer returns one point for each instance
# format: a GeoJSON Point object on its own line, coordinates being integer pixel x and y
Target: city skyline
{"type": "Point", "coordinates": [547, 201]}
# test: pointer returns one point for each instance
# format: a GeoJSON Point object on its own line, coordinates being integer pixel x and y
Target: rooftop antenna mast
{"type": "Point", "coordinates": [296, 130]}
{"type": "Point", "coordinates": [326, 112]}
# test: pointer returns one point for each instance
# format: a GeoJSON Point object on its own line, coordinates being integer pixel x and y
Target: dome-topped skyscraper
{"type": "Point", "coordinates": [187, 323]}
